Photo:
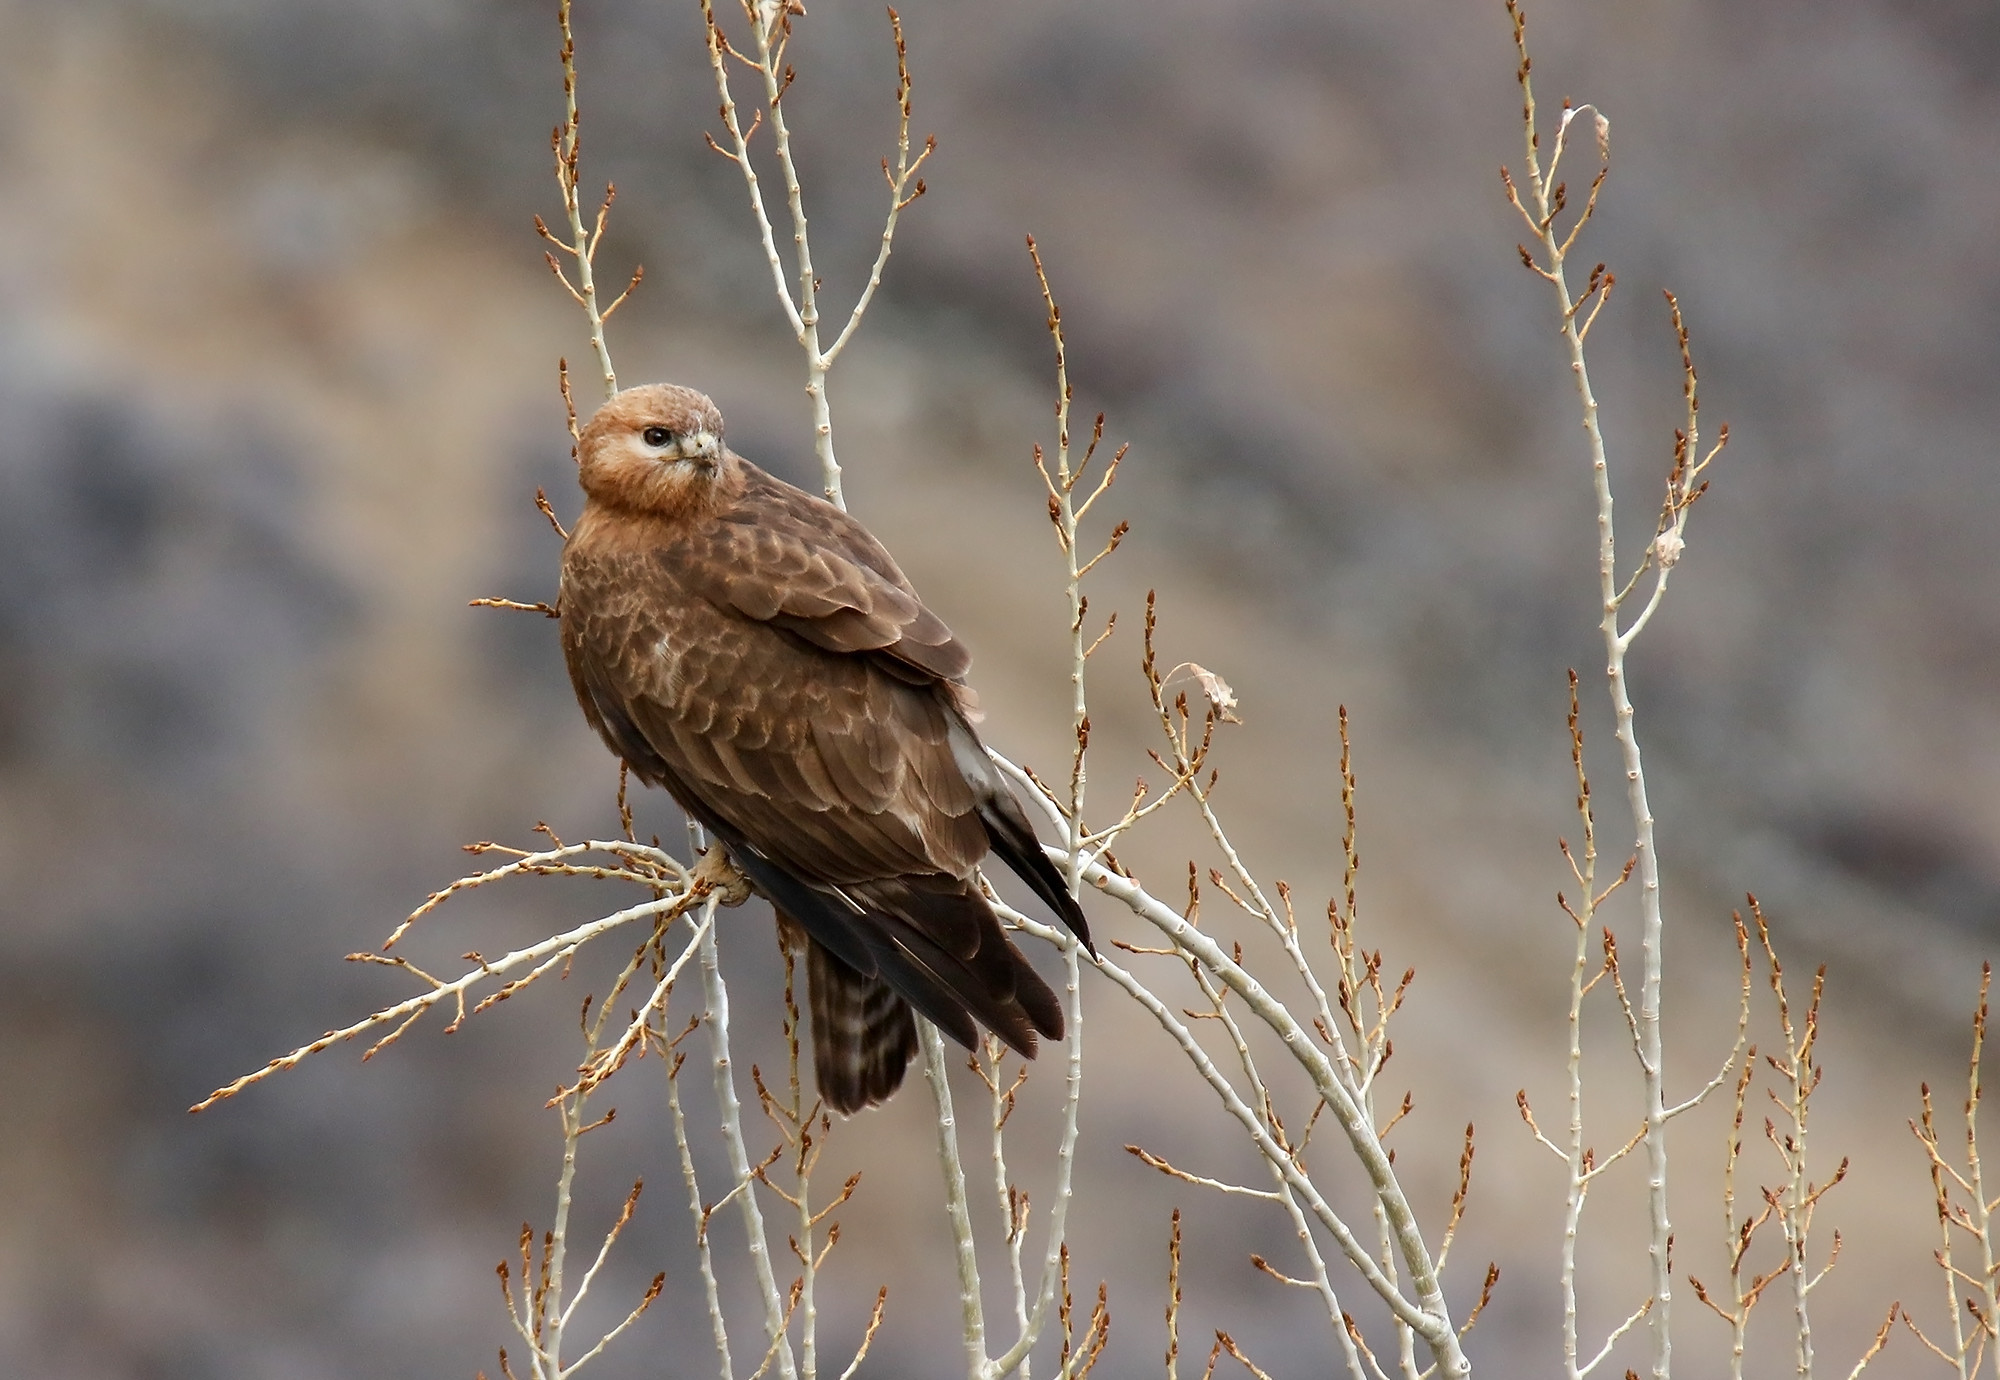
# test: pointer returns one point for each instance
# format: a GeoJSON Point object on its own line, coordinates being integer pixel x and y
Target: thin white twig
{"type": "Point", "coordinates": [639, 1024]}
{"type": "Point", "coordinates": [583, 244]}
{"type": "Point", "coordinates": [898, 181]}
{"type": "Point", "coordinates": [740, 141]}
{"type": "Point", "coordinates": [1547, 204]}
{"type": "Point", "coordinates": [1428, 1314]}
{"type": "Point", "coordinates": [1011, 1201]}
{"type": "Point", "coordinates": [770, 28]}
{"type": "Point", "coordinates": [957, 1208]}
{"type": "Point", "coordinates": [1072, 951]}
{"type": "Point", "coordinates": [552, 949]}
{"type": "Point", "coordinates": [597, 1069]}
{"type": "Point", "coordinates": [1321, 1282]}
{"type": "Point", "coordinates": [716, 1017]}
{"type": "Point", "coordinates": [1357, 1254]}
{"type": "Point", "coordinates": [1612, 1340]}
{"type": "Point", "coordinates": [718, 1325]}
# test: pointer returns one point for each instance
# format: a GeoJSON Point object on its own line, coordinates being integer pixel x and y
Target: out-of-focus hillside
{"type": "Point", "coordinates": [277, 361]}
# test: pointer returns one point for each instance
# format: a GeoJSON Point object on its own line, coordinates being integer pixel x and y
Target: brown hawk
{"type": "Point", "coordinates": [753, 650]}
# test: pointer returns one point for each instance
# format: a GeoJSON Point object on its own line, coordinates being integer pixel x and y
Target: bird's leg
{"type": "Point", "coordinates": [715, 872]}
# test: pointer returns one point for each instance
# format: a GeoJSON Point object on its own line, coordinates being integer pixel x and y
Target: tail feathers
{"type": "Point", "coordinates": [941, 943]}
{"type": "Point", "coordinates": [863, 1033]}
{"type": "Point", "coordinates": [1008, 830]}
{"type": "Point", "coordinates": [1013, 838]}
{"type": "Point", "coordinates": [928, 941]}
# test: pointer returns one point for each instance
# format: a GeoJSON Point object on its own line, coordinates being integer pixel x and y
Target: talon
{"type": "Point", "coordinates": [715, 872]}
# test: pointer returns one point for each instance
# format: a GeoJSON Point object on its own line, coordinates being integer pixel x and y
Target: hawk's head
{"type": "Point", "coordinates": [655, 448]}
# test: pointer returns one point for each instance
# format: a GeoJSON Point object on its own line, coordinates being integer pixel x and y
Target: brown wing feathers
{"type": "Point", "coordinates": [784, 557]}
{"type": "Point", "coordinates": [755, 652]}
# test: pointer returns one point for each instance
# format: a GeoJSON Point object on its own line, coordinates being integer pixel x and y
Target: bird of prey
{"type": "Point", "coordinates": [754, 651]}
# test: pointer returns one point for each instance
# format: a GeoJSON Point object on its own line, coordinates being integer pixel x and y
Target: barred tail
{"type": "Point", "coordinates": [862, 1033]}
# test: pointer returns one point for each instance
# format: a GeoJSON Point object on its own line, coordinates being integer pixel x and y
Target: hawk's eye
{"type": "Point", "coordinates": [656, 436]}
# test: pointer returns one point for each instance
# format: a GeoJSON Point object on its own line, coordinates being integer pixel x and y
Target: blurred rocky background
{"type": "Point", "coordinates": [277, 383]}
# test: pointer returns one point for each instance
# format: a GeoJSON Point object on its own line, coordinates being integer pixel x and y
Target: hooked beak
{"type": "Point", "coordinates": [703, 445]}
